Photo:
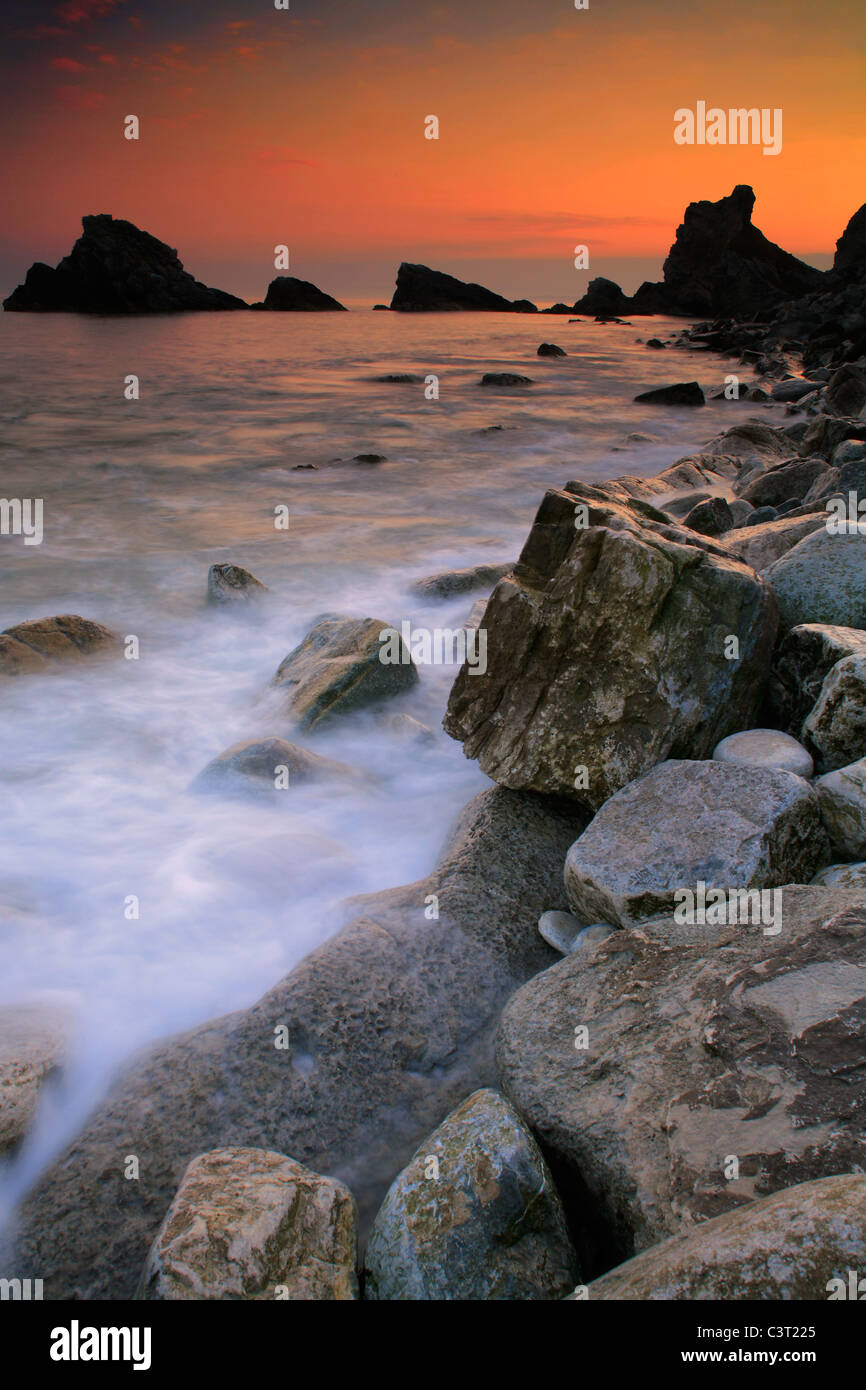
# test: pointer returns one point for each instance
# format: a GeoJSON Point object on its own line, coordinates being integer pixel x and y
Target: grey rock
{"type": "Point", "coordinates": [337, 669]}
{"type": "Point", "coordinates": [842, 796]}
{"type": "Point", "coordinates": [462, 581]}
{"type": "Point", "coordinates": [711, 518]}
{"type": "Point", "coordinates": [258, 766]}
{"type": "Point", "coordinates": [680, 393]}
{"type": "Point", "coordinates": [793, 389]}
{"type": "Point", "coordinates": [232, 584]}
{"type": "Point", "coordinates": [251, 1225]}
{"type": "Point", "coordinates": [842, 876]}
{"type": "Point", "coordinates": [505, 379]}
{"type": "Point", "coordinates": [805, 657]}
{"type": "Point", "coordinates": [822, 579]}
{"type": "Point", "coordinates": [766, 748]}
{"type": "Point", "coordinates": [791, 479]}
{"type": "Point", "coordinates": [684, 823]}
{"type": "Point", "coordinates": [701, 1043]}
{"type": "Point", "coordinates": [34, 1039]}
{"type": "Point", "coordinates": [836, 726]}
{"type": "Point", "coordinates": [560, 930]}
{"type": "Point", "coordinates": [797, 1244]}
{"type": "Point", "coordinates": [475, 1215]}
{"type": "Point", "coordinates": [760, 543]}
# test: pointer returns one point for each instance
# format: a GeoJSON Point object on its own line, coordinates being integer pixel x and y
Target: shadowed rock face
{"type": "Point", "coordinates": [850, 258]}
{"type": "Point", "coordinates": [419, 289]}
{"type": "Point", "coordinates": [287, 293]}
{"type": "Point", "coordinates": [390, 1026]}
{"type": "Point", "coordinates": [115, 268]}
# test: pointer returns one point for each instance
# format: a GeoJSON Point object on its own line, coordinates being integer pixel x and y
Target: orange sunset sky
{"type": "Point", "coordinates": [261, 126]}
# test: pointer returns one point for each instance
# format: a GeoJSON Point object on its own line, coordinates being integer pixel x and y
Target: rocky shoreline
{"type": "Point", "coordinates": [613, 1046]}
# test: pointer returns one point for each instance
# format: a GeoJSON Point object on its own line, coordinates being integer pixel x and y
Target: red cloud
{"type": "Point", "coordinates": [68, 65]}
{"type": "Point", "coordinates": [79, 98]}
{"type": "Point", "coordinates": [80, 11]}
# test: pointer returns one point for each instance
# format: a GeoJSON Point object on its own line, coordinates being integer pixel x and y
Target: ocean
{"type": "Point", "coordinates": [139, 498]}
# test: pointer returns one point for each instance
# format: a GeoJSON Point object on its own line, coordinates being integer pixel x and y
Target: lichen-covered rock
{"type": "Point", "coordinates": [823, 579]}
{"type": "Point", "coordinates": [33, 1042]}
{"type": "Point", "coordinates": [338, 668]}
{"type": "Point", "coordinates": [644, 1067]}
{"type": "Point", "coordinates": [475, 1215]}
{"type": "Point", "coordinates": [253, 1225]}
{"type": "Point", "coordinates": [836, 726]}
{"type": "Point", "coordinates": [766, 748]}
{"type": "Point", "coordinates": [36, 645]}
{"type": "Point", "coordinates": [606, 651]}
{"type": "Point", "coordinates": [232, 584]}
{"type": "Point", "coordinates": [797, 1244]}
{"type": "Point", "coordinates": [805, 656]}
{"type": "Point", "coordinates": [684, 823]}
{"type": "Point", "coordinates": [790, 479]}
{"type": "Point", "coordinates": [842, 796]}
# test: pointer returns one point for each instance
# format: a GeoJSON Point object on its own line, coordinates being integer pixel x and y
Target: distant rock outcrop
{"type": "Point", "coordinates": [719, 264]}
{"type": "Point", "coordinates": [297, 296]}
{"type": "Point", "coordinates": [420, 289]}
{"type": "Point", "coordinates": [850, 258]}
{"type": "Point", "coordinates": [115, 268]}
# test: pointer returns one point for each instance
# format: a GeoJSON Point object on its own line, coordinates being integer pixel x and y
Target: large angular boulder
{"type": "Point", "coordinates": [685, 823]}
{"type": "Point", "coordinates": [337, 669]}
{"type": "Point", "coordinates": [836, 726]}
{"type": "Point", "coordinates": [421, 289]}
{"type": "Point", "coordinates": [253, 1225]}
{"type": "Point", "coordinates": [602, 297]}
{"type": "Point", "coordinates": [606, 651]}
{"type": "Point", "coordinates": [346, 1064]}
{"type": "Point", "coordinates": [845, 392]}
{"type": "Point", "coordinates": [850, 258]}
{"type": "Point", "coordinates": [823, 579]}
{"type": "Point", "coordinates": [290, 295]}
{"type": "Point", "coordinates": [805, 656]}
{"type": "Point", "coordinates": [678, 1073]}
{"type": "Point", "coordinates": [475, 1215]}
{"type": "Point", "coordinates": [798, 1244]}
{"type": "Point", "coordinates": [783, 481]}
{"type": "Point", "coordinates": [232, 584]}
{"type": "Point", "coordinates": [115, 268]}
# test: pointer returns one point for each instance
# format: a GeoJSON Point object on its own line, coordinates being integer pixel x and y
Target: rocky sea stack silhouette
{"type": "Point", "coordinates": [115, 268]}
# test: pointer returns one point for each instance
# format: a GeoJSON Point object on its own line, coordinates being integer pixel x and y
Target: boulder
{"type": "Point", "coordinates": [842, 876]}
{"type": "Point", "coordinates": [298, 296]}
{"type": "Point", "coordinates": [420, 289]}
{"type": "Point", "coordinates": [761, 442]}
{"type": "Point", "coordinates": [836, 725]}
{"type": "Point", "coordinates": [602, 297]}
{"type": "Point", "coordinates": [710, 518]}
{"type": "Point", "coordinates": [681, 393]}
{"type": "Point", "coordinates": [37, 644]}
{"type": "Point", "coordinates": [551, 350]}
{"type": "Point", "coordinates": [474, 1216]}
{"type": "Point", "coordinates": [644, 1067]}
{"type": "Point", "coordinates": [600, 662]}
{"type": "Point", "coordinates": [798, 1244]}
{"type": "Point", "coordinates": [793, 389]}
{"type": "Point", "coordinates": [683, 823]}
{"type": "Point", "coordinates": [247, 1224]}
{"type": "Point", "coordinates": [560, 930]}
{"type": "Point", "coordinates": [389, 1026]}
{"type": "Point", "coordinates": [845, 392]}
{"type": "Point", "coordinates": [115, 268]}
{"type": "Point", "coordinates": [783, 480]}
{"type": "Point", "coordinates": [450, 582]}
{"type": "Point", "coordinates": [822, 579]}
{"type": "Point", "coordinates": [33, 1043]}
{"type": "Point", "coordinates": [850, 258]}
{"type": "Point", "coordinates": [804, 657]}
{"type": "Point", "coordinates": [761, 543]}
{"type": "Point", "coordinates": [232, 584]}
{"type": "Point", "coordinates": [842, 796]}
{"type": "Point", "coordinates": [337, 669]}
{"type": "Point", "coordinates": [270, 766]}
{"type": "Point", "coordinates": [765, 748]}
{"type": "Point", "coordinates": [505, 379]}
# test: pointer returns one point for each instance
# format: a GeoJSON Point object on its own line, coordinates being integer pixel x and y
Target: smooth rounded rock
{"type": "Point", "coordinates": [842, 876]}
{"type": "Point", "coordinates": [823, 579]}
{"type": "Point", "coordinates": [560, 930]}
{"type": "Point", "coordinates": [765, 748]}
